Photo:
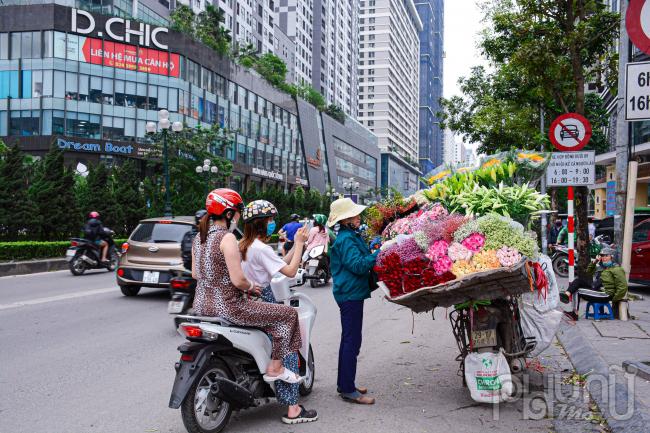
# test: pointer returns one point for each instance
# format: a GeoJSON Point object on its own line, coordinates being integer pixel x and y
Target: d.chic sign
{"type": "Point", "coordinates": [134, 32]}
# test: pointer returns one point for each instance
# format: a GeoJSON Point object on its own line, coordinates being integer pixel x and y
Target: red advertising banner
{"type": "Point", "coordinates": [131, 57]}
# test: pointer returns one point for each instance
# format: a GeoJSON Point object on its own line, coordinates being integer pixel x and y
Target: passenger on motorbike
{"type": "Point", "coordinates": [318, 235]}
{"type": "Point", "coordinates": [221, 283]}
{"type": "Point", "coordinates": [259, 264]}
{"type": "Point", "coordinates": [93, 231]}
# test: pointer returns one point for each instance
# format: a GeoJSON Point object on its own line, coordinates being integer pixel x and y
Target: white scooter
{"type": "Point", "coordinates": [222, 364]}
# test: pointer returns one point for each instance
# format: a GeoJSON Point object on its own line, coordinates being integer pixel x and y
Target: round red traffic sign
{"type": "Point", "coordinates": [570, 132]}
{"type": "Point", "coordinates": [637, 23]}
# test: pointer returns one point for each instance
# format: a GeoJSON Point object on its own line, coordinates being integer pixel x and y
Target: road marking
{"type": "Point", "coordinates": [63, 297]}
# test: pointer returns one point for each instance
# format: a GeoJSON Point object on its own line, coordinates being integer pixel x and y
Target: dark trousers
{"type": "Point", "coordinates": [351, 324]}
{"type": "Point", "coordinates": [579, 283]}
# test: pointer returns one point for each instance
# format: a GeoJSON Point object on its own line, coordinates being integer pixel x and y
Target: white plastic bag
{"type": "Point", "coordinates": [540, 325]}
{"type": "Point", "coordinates": [487, 375]}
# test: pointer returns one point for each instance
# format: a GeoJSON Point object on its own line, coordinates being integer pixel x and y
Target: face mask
{"type": "Point", "coordinates": [607, 264]}
{"type": "Point", "coordinates": [270, 228]}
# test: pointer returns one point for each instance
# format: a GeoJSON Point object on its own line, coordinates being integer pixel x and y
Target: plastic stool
{"type": "Point", "coordinates": [596, 308]}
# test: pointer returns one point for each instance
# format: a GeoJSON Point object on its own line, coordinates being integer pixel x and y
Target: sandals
{"type": "Point", "coordinates": [564, 298]}
{"type": "Point", "coordinates": [360, 390]}
{"type": "Point", "coordinates": [286, 376]}
{"type": "Point", "coordinates": [303, 417]}
{"type": "Point", "coordinates": [362, 399]}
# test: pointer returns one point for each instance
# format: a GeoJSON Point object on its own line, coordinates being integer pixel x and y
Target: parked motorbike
{"type": "Point", "coordinates": [317, 266]}
{"type": "Point", "coordinates": [560, 255]}
{"type": "Point", "coordinates": [221, 365]}
{"type": "Point", "coordinates": [182, 288]}
{"type": "Point", "coordinates": [491, 327]}
{"type": "Point", "coordinates": [84, 254]}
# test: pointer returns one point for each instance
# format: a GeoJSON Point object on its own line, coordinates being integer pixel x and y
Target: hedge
{"type": "Point", "coordinates": [28, 250]}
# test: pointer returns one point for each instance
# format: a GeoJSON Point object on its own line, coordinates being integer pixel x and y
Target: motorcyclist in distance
{"type": "Point", "coordinates": [94, 231]}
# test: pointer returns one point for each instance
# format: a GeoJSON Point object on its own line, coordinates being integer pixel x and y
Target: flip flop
{"type": "Point", "coordinates": [360, 390]}
{"type": "Point", "coordinates": [564, 298]}
{"type": "Point", "coordinates": [286, 376]}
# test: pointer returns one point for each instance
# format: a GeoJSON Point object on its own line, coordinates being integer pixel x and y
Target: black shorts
{"type": "Point", "coordinates": [287, 246]}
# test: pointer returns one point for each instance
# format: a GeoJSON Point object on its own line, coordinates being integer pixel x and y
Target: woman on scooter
{"type": "Point", "coordinates": [221, 283]}
{"type": "Point", "coordinates": [259, 264]}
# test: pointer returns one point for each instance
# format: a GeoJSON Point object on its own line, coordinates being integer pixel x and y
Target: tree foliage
{"type": "Point", "coordinates": [335, 112]}
{"type": "Point", "coordinates": [207, 26]}
{"type": "Point", "coordinates": [15, 207]}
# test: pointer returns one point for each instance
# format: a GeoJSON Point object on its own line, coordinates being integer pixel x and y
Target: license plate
{"type": "Point", "coordinates": [69, 254]}
{"type": "Point", "coordinates": [487, 338]}
{"type": "Point", "coordinates": [175, 307]}
{"type": "Point", "coordinates": [150, 277]}
{"type": "Point", "coordinates": [313, 262]}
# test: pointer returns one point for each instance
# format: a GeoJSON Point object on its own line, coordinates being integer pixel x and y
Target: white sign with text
{"type": "Point", "coordinates": [571, 168]}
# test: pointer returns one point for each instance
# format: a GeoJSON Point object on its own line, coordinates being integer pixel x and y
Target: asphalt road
{"type": "Point", "coordinates": [79, 357]}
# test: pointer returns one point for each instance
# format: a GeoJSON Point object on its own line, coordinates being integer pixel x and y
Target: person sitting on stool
{"type": "Point", "coordinates": [609, 283]}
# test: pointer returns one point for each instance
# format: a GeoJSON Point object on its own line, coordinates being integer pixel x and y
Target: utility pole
{"type": "Point", "coordinates": [543, 189]}
{"type": "Point", "coordinates": [622, 131]}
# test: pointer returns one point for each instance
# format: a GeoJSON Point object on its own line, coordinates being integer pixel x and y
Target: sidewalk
{"type": "Point", "coordinates": [599, 348]}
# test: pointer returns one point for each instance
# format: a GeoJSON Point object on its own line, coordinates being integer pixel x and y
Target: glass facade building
{"type": "Point", "coordinates": [431, 136]}
{"type": "Point", "coordinates": [53, 84]}
{"type": "Point", "coordinates": [90, 83]}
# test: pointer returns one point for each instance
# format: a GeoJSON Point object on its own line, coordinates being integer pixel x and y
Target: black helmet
{"type": "Point", "coordinates": [295, 217]}
{"type": "Point", "coordinates": [199, 214]}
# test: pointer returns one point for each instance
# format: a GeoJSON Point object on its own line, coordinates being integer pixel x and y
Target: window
{"type": "Point", "coordinates": [641, 232]}
{"type": "Point", "coordinates": [4, 46]}
{"type": "Point", "coordinates": [160, 233]}
{"type": "Point", "coordinates": [24, 123]}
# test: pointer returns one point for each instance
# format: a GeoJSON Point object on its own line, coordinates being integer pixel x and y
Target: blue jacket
{"type": "Point", "coordinates": [350, 263]}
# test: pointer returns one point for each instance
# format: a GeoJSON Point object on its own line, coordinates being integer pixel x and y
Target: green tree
{"type": "Point", "coordinates": [52, 194]}
{"type": "Point", "coordinates": [335, 112]}
{"type": "Point", "coordinates": [272, 68]}
{"type": "Point", "coordinates": [187, 150]}
{"type": "Point", "coordinates": [99, 195]}
{"type": "Point", "coordinates": [182, 20]}
{"type": "Point", "coordinates": [245, 55]}
{"type": "Point", "coordinates": [311, 95]}
{"type": "Point", "coordinates": [543, 53]}
{"type": "Point", "coordinates": [128, 197]}
{"type": "Point", "coordinates": [210, 29]}
{"type": "Point", "coordinates": [15, 207]}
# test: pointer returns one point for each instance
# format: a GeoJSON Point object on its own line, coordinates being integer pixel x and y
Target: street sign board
{"type": "Point", "coordinates": [637, 91]}
{"type": "Point", "coordinates": [637, 23]}
{"type": "Point", "coordinates": [570, 132]}
{"type": "Point", "coordinates": [571, 168]}
{"type": "Point", "coordinates": [610, 200]}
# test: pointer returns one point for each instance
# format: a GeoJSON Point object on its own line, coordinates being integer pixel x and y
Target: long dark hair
{"type": "Point", "coordinates": [253, 229]}
{"type": "Point", "coordinates": [204, 222]}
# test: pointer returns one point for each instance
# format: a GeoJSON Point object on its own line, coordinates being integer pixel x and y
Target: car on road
{"type": "Point", "coordinates": [605, 226]}
{"type": "Point", "coordinates": [640, 261]}
{"type": "Point", "coordinates": [152, 254]}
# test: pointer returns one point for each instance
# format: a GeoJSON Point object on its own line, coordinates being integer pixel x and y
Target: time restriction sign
{"type": "Point", "coordinates": [571, 168]}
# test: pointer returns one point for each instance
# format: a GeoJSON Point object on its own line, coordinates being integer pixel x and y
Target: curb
{"type": "Point", "coordinates": [586, 360]}
{"type": "Point", "coordinates": [32, 267]}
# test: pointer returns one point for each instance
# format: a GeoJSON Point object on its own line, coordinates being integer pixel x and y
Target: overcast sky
{"type": "Point", "coordinates": [462, 23]}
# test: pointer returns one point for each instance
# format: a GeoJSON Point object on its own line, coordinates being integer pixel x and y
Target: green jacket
{"type": "Point", "coordinates": [350, 263]}
{"type": "Point", "coordinates": [613, 279]}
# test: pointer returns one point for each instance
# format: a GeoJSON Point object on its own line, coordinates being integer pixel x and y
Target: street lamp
{"type": "Point", "coordinates": [208, 169]}
{"type": "Point", "coordinates": [351, 185]}
{"type": "Point", "coordinates": [164, 124]}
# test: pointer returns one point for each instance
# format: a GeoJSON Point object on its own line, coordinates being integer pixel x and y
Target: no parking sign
{"type": "Point", "coordinates": [570, 132]}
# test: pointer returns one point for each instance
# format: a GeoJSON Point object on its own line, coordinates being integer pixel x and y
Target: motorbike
{"type": "Point", "coordinates": [492, 327]}
{"type": "Point", "coordinates": [560, 255]}
{"type": "Point", "coordinates": [221, 364]}
{"type": "Point", "coordinates": [84, 254]}
{"type": "Point", "coordinates": [182, 288]}
{"type": "Point", "coordinates": [317, 266]}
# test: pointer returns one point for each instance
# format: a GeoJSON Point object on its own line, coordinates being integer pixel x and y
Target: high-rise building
{"type": "Point", "coordinates": [336, 52]}
{"type": "Point", "coordinates": [431, 135]}
{"type": "Point", "coordinates": [389, 74]}
{"type": "Point", "coordinates": [454, 149]}
{"type": "Point", "coordinates": [295, 18]}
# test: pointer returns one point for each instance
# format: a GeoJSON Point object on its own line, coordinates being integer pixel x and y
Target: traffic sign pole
{"type": "Point", "coordinates": [571, 227]}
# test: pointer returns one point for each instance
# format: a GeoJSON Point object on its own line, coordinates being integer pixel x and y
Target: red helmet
{"type": "Point", "coordinates": [223, 199]}
{"type": "Point", "coordinates": [93, 214]}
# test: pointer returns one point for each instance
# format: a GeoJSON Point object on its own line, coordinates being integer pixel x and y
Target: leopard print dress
{"type": "Point", "coordinates": [216, 296]}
